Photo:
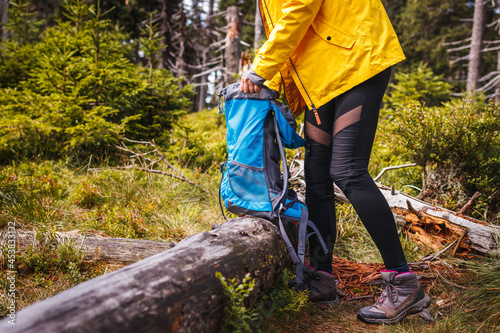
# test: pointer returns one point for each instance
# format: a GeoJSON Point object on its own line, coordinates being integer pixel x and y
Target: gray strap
{"type": "Point", "coordinates": [301, 246]}
{"type": "Point", "coordinates": [286, 175]}
{"type": "Point", "coordinates": [222, 165]}
{"type": "Point", "coordinates": [288, 244]}
{"type": "Point", "coordinates": [315, 229]}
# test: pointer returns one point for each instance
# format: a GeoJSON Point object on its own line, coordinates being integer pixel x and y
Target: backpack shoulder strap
{"type": "Point", "coordinates": [286, 174]}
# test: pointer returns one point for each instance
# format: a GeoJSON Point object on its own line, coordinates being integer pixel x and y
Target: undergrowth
{"type": "Point", "coordinates": [52, 196]}
{"type": "Point", "coordinates": [281, 303]}
{"type": "Point", "coordinates": [129, 204]}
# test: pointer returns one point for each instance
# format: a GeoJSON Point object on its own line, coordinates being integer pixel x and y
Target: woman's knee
{"type": "Point", "coordinates": [345, 176]}
{"type": "Point", "coordinates": [317, 168]}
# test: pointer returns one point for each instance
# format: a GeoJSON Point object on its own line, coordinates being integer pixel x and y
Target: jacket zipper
{"type": "Point", "coordinates": [314, 110]}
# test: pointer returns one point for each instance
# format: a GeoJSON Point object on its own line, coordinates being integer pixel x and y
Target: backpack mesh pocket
{"type": "Point", "coordinates": [247, 182]}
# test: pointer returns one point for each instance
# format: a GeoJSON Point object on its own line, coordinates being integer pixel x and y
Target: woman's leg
{"type": "Point", "coordinates": [339, 149]}
{"type": "Point", "coordinates": [320, 199]}
{"type": "Point", "coordinates": [354, 130]}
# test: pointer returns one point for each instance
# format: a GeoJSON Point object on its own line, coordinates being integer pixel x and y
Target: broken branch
{"type": "Point", "coordinates": [384, 170]}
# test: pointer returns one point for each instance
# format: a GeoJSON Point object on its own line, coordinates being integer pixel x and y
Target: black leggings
{"type": "Point", "coordinates": [338, 149]}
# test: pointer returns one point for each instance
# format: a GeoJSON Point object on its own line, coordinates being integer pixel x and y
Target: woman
{"type": "Point", "coordinates": [333, 60]}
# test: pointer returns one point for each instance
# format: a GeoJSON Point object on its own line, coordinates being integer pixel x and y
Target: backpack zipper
{"type": "Point", "coordinates": [314, 110]}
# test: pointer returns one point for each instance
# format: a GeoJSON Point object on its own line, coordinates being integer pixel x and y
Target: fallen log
{"type": "Point", "coordinates": [117, 250]}
{"type": "Point", "coordinates": [174, 291]}
{"type": "Point", "coordinates": [480, 236]}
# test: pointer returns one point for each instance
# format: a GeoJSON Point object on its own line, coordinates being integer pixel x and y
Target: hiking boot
{"type": "Point", "coordinates": [321, 286]}
{"type": "Point", "coordinates": [403, 295]}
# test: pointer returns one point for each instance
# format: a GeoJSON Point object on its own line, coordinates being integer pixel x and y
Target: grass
{"type": "Point", "coordinates": [52, 196]}
{"type": "Point", "coordinates": [127, 203]}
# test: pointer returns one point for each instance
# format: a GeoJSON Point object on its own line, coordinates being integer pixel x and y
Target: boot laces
{"type": "Point", "coordinates": [390, 292]}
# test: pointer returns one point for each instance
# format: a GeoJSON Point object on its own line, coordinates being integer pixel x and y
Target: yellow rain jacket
{"type": "Point", "coordinates": [322, 48]}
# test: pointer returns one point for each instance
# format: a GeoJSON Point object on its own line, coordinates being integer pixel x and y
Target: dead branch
{"type": "Point", "coordinates": [467, 40]}
{"type": "Point", "coordinates": [437, 254]}
{"type": "Point", "coordinates": [384, 170]}
{"type": "Point", "coordinates": [469, 204]}
{"type": "Point", "coordinates": [148, 164]}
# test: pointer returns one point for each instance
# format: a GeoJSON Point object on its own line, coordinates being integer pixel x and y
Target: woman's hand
{"type": "Point", "coordinates": [248, 86]}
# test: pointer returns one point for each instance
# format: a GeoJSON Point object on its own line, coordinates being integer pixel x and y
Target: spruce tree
{"type": "Point", "coordinates": [80, 93]}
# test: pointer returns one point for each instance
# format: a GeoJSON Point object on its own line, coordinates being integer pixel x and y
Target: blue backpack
{"type": "Point", "coordinates": [253, 180]}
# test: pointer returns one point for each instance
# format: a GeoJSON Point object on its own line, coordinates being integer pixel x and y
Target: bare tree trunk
{"type": "Point", "coordinates": [208, 40]}
{"type": "Point", "coordinates": [122, 250]}
{"type": "Point", "coordinates": [165, 31]}
{"type": "Point", "coordinates": [497, 88]}
{"type": "Point", "coordinates": [257, 37]}
{"type": "Point", "coordinates": [233, 46]}
{"type": "Point", "coordinates": [4, 16]}
{"type": "Point", "coordinates": [475, 47]}
{"type": "Point", "coordinates": [180, 63]}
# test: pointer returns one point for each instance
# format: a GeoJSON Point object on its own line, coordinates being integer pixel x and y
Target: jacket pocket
{"type": "Point", "coordinates": [332, 35]}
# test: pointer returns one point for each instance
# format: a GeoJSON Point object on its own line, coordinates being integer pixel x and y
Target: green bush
{"type": "Point", "coordinates": [237, 317]}
{"type": "Point", "coordinates": [418, 84]}
{"type": "Point", "coordinates": [199, 141]}
{"type": "Point", "coordinates": [457, 145]}
{"type": "Point", "coordinates": [77, 93]}
{"type": "Point", "coordinates": [415, 86]}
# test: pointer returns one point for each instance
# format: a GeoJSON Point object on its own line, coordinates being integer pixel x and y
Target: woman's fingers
{"type": "Point", "coordinates": [248, 86]}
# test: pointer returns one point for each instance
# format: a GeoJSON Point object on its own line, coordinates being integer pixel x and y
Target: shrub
{"type": "Point", "coordinates": [80, 93]}
{"type": "Point", "coordinates": [418, 84]}
{"type": "Point", "coordinates": [237, 317]}
{"type": "Point", "coordinates": [457, 145]}
{"type": "Point", "coordinates": [198, 140]}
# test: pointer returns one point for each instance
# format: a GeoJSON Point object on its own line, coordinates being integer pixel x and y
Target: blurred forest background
{"type": "Point", "coordinates": [88, 87]}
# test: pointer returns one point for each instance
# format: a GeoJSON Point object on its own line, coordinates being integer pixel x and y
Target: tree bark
{"type": "Point", "coordinates": [122, 250]}
{"type": "Point", "coordinates": [166, 12]}
{"type": "Point", "coordinates": [233, 46]}
{"type": "Point", "coordinates": [180, 62]}
{"type": "Point", "coordinates": [475, 47]}
{"type": "Point", "coordinates": [202, 104]}
{"type": "Point", "coordinates": [174, 291]}
{"type": "Point", "coordinates": [497, 88]}
{"type": "Point", "coordinates": [4, 17]}
{"type": "Point", "coordinates": [257, 37]}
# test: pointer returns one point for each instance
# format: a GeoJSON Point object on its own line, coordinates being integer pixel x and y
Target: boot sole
{"type": "Point", "coordinates": [415, 308]}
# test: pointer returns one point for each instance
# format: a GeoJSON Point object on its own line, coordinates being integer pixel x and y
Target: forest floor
{"type": "Point", "coordinates": [447, 281]}
{"type": "Point", "coordinates": [359, 283]}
